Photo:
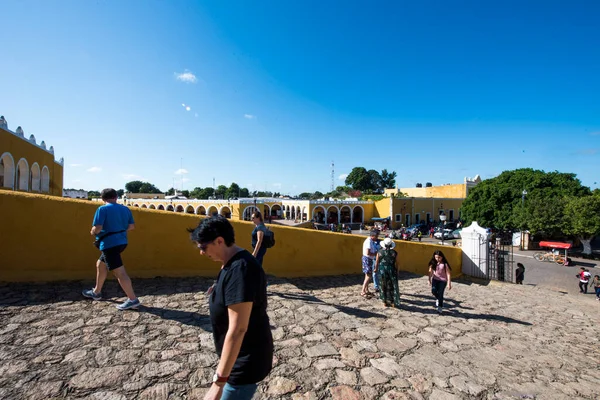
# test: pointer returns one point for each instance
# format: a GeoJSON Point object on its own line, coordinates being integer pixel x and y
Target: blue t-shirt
{"type": "Point", "coordinates": [113, 218]}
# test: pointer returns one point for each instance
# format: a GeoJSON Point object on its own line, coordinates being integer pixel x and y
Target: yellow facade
{"type": "Point", "coordinates": [26, 165]}
{"type": "Point", "coordinates": [160, 245]}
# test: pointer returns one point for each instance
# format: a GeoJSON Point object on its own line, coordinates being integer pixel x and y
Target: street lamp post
{"type": "Point", "coordinates": [443, 219]}
{"type": "Point", "coordinates": [522, 241]}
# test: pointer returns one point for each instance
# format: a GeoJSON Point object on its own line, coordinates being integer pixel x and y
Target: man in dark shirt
{"type": "Point", "coordinates": [238, 313]}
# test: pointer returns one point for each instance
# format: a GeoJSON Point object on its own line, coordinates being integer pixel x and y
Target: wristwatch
{"type": "Point", "coordinates": [220, 380]}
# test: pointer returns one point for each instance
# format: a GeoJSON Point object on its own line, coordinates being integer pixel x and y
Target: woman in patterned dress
{"type": "Point", "coordinates": [386, 264]}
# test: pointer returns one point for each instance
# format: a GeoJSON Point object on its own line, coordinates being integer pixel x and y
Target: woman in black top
{"type": "Point", "coordinates": [258, 236]}
{"type": "Point", "coordinates": [238, 313]}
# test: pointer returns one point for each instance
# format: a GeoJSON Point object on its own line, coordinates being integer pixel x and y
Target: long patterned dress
{"type": "Point", "coordinates": [388, 277]}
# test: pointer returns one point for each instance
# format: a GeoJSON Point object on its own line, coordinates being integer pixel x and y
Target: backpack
{"type": "Point", "coordinates": [269, 239]}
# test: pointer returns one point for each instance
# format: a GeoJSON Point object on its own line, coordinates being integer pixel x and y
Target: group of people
{"type": "Point", "coordinates": [584, 277]}
{"type": "Point", "coordinates": [380, 265]}
{"type": "Point", "coordinates": [237, 299]}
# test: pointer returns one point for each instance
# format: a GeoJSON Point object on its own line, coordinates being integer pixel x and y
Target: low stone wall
{"type": "Point", "coordinates": [46, 238]}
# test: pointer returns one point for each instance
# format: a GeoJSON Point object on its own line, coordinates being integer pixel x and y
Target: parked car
{"type": "Point", "coordinates": [456, 233]}
{"type": "Point", "coordinates": [447, 234]}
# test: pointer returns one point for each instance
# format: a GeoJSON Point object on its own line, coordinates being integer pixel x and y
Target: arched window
{"type": "Point", "coordinates": [35, 178]}
{"type": "Point", "coordinates": [23, 175]}
{"type": "Point", "coordinates": [7, 171]}
{"type": "Point", "coordinates": [45, 180]}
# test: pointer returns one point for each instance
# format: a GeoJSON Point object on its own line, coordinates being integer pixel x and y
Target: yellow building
{"type": "Point", "coordinates": [427, 203]}
{"type": "Point", "coordinates": [27, 166]}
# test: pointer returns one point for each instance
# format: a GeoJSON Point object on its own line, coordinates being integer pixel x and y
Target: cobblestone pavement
{"type": "Point", "coordinates": [497, 341]}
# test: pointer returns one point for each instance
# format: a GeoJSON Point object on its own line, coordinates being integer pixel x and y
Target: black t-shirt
{"type": "Point", "coordinates": [242, 280]}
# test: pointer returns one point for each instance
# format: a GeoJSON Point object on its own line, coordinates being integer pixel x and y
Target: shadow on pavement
{"type": "Point", "coordinates": [428, 301]}
{"type": "Point", "coordinates": [184, 317]}
{"type": "Point", "coordinates": [356, 312]}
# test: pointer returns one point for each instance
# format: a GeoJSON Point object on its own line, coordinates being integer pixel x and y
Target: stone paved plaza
{"type": "Point", "coordinates": [496, 341]}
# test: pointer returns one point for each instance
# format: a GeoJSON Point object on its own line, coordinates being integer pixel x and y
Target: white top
{"type": "Point", "coordinates": [585, 277]}
{"type": "Point", "coordinates": [370, 245]}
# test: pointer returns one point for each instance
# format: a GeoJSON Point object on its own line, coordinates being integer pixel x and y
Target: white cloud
{"type": "Point", "coordinates": [75, 165]}
{"type": "Point", "coordinates": [181, 171]}
{"type": "Point", "coordinates": [342, 177]}
{"type": "Point", "coordinates": [94, 169]}
{"type": "Point", "coordinates": [186, 76]}
{"type": "Point", "coordinates": [249, 116]}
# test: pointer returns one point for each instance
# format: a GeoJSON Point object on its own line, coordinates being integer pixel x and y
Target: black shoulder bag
{"type": "Point", "coordinates": [97, 241]}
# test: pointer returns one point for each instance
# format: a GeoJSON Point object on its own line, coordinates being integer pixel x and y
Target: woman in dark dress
{"type": "Point", "coordinates": [386, 264]}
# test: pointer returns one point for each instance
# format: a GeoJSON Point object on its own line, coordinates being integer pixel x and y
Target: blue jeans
{"type": "Point", "coordinates": [376, 279]}
{"type": "Point", "coordinates": [260, 255]}
{"type": "Point", "coordinates": [598, 292]}
{"type": "Point", "coordinates": [238, 392]}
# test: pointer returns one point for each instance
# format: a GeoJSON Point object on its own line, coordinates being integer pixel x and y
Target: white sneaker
{"type": "Point", "coordinates": [437, 303]}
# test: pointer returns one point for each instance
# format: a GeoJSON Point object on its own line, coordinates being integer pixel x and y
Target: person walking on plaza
{"type": "Point", "coordinates": [596, 285]}
{"type": "Point", "coordinates": [369, 251]}
{"type": "Point", "coordinates": [111, 223]}
{"type": "Point", "coordinates": [439, 278]}
{"type": "Point", "coordinates": [419, 235]}
{"type": "Point", "coordinates": [386, 267]}
{"type": "Point", "coordinates": [520, 273]}
{"type": "Point", "coordinates": [258, 237]}
{"type": "Point", "coordinates": [584, 278]}
{"type": "Point", "coordinates": [238, 313]}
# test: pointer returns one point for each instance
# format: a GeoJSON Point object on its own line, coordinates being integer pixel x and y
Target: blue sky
{"type": "Point", "coordinates": [277, 90]}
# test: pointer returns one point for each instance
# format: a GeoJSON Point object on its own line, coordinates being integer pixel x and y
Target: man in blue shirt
{"type": "Point", "coordinates": [111, 224]}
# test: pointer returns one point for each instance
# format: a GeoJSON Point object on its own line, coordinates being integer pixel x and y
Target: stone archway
{"type": "Point", "coordinates": [212, 211]}
{"type": "Point", "coordinates": [152, 207]}
{"type": "Point", "coordinates": [7, 171]}
{"type": "Point", "coordinates": [201, 210]}
{"type": "Point", "coordinates": [225, 212]}
{"type": "Point", "coordinates": [144, 206]}
{"type": "Point", "coordinates": [358, 214]}
{"type": "Point", "coordinates": [161, 207]}
{"type": "Point", "coordinates": [345, 215]}
{"type": "Point", "coordinates": [304, 214]}
{"type": "Point", "coordinates": [247, 215]}
{"type": "Point", "coordinates": [170, 207]}
{"type": "Point", "coordinates": [276, 211]}
{"type": "Point", "coordinates": [266, 212]}
{"type": "Point", "coordinates": [298, 213]}
{"type": "Point", "coordinates": [293, 214]}
{"type": "Point", "coordinates": [288, 215]}
{"type": "Point", "coordinates": [179, 208]}
{"type": "Point", "coordinates": [36, 178]}
{"type": "Point", "coordinates": [136, 205]}
{"type": "Point", "coordinates": [333, 215]}
{"type": "Point", "coordinates": [45, 180]}
{"type": "Point", "coordinates": [319, 214]}
{"type": "Point", "coordinates": [189, 210]}
{"type": "Point", "coordinates": [23, 175]}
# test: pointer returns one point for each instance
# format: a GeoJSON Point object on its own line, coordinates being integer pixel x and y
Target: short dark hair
{"type": "Point", "coordinates": [258, 215]}
{"type": "Point", "coordinates": [374, 232]}
{"type": "Point", "coordinates": [211, 228]}
{"type": "Point", "coordinates": [108, 194]}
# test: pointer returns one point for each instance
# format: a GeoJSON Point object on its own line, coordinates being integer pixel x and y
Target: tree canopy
{"type": "Point", "coordinates": [141, 187]}
{"type": "Point", "coordinates": [370, 181]}
{"type": "Point", "coordinates": [499, 202]}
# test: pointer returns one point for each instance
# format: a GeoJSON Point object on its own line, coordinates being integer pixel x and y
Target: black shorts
{"type": "Point", "coordinates": [112, 257]}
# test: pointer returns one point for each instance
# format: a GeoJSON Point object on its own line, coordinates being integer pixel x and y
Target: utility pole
{"type": "Point", "coordinates": [332, 175]}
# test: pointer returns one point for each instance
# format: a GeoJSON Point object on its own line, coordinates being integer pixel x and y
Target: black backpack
{"type": "Point", "coordinates": [269, 239]}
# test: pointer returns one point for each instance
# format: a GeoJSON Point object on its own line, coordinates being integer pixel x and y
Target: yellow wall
{"type": "Point", "coordinates": [47, 238]}
{"type": "Point", "coordinates": [20, 147]}
{"type": "Point", "coordinates": [458, 190]}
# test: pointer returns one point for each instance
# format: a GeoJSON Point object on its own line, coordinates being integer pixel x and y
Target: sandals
{"type": "Point", "coordinates": [367, 295]}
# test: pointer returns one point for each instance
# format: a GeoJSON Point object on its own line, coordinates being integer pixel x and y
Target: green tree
{"type": "Point", "coordinates": [359, 179]}
{"type": "Point", "coordinates": [582, 219]}
{"type": "Point", "coordinates": [93, 193]}
{"type": "Point", "coordinates": [120, 192]}
{"type": "Point", "coordinates": [170, 192]}
{"type": "Point", "coordinates": [305, 196]}
{"type": "Point", "coordinates": [388, 179]}
{"type": "Point", "coordinates": [221, 191]}
{"type": "Point", "coordinates": [233, 191]}
{"type": "Point", "coordinates": [317, 195]}
{"type": "Point", "coordinates": [202, 193]}
{"type": "Point", "coordinates": [186, 193]}
{"type": "Point", "coordinates": [499, 202]}
{"type": "Point", "coordinates": [244, 193]}
{"type": "Point", "coordinates": [375, 181]}
{"type": "Point", "coordinates": [141, 187]}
